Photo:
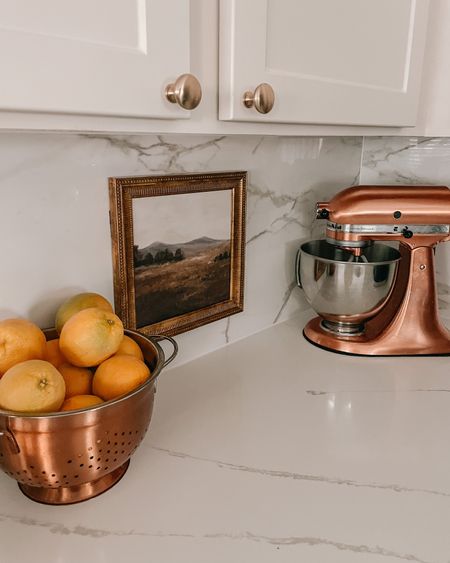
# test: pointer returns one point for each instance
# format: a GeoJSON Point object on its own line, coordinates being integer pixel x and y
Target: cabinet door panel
{"type": "Point", "coordinates": [102, 57]}
{"type": "Point", "coordinates": [354, 62]}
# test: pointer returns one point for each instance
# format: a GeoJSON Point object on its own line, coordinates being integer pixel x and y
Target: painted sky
{"type": "Point", "coordinates": [182, 217]}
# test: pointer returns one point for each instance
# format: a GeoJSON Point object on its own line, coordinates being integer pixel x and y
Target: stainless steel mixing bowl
{"type": "Point", "coordinates": [343, 289]}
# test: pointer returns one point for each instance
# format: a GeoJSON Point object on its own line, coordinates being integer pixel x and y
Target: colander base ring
{"type": "Point", "coordinates": [77, 493]}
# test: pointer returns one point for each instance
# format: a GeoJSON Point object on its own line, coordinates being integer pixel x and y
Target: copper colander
{"type": "Point", "coordinates": [71, 456]}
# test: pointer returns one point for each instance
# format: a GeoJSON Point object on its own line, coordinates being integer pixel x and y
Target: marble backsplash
{"type": "Point", "coordinates": [55, 230]}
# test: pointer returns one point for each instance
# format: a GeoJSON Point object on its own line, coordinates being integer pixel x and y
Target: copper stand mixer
{"type": "Point", "coordinates": [371, 298]}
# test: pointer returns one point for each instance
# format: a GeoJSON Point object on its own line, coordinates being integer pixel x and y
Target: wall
{"type": "Point", "coordinates": [55, 231]}
{"type": "Point", "coordinates": [54, 223]}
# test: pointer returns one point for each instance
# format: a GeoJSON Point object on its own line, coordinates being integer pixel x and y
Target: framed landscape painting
{"type": "Point", "coordinates": [178, 249]}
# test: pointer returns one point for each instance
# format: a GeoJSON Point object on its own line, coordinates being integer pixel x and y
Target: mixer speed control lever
{"type": "Point", "coordinates": [323, 214]}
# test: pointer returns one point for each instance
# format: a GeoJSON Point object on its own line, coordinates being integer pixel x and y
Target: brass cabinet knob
{"type": "Point", "coordinates": [185, 91]}
{"type": "Point", "coordinates": [262, 99]}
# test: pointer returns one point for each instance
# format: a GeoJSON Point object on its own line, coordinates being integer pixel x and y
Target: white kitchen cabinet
{"type": "Point", "coordinates": [84, 57]}
{"type": "Point", "coordinates": [352, 62]}
{"type": "Point", "coordinates": [102, 66]}
{"type": "Point", "coordinates": [435, 96]}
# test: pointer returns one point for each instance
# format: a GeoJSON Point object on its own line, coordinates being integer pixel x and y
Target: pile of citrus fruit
{"type": "Point", "coordinates": [92, 361]}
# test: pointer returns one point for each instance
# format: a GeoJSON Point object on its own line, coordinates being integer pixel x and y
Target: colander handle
{"type": "Point", "coordinates": [12, 440]}
{"type": "Point", "coordinates": [174, 344]}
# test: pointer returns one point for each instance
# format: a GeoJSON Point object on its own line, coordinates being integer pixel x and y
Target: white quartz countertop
{"type": "Point", "coordinates": [268, 450]}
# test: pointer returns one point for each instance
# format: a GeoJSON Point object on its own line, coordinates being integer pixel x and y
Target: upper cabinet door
{"type": "Point", "coordinates": [98, 57]}
{"type": "Point", "coordinates": [353, 62]}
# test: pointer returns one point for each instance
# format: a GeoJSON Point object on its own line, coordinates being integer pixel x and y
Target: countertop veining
{"type": "Point", "coordinates": [268, 450]}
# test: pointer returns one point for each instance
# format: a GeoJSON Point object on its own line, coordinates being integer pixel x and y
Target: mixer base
{"type": "Point", "coordinates": [77, 493]}
{"type": "Point", "coordinates": [343, 353]}
{"type": "Point", "coordinates": [438, 343]}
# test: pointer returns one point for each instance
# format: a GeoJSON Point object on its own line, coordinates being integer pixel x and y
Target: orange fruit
{"type": "Point", "coordinates": [78, 380]}
{"type": "Point", "coordinates": [20, 340]}
{"type": "Point", "coordinates": [78, 303]}
{"type": "Point", "coordinates": [33, 386]}
{"type": "Point", "coordinates": [54, 354]}
{"type": "Point", "coordinates": [80, 402]}
{"type": "Point", "coordinates": [130, 348]}
{"type": "Point", "coordinates": [119, 375]}
{"type": "Point", "coordinates": [91, 336]}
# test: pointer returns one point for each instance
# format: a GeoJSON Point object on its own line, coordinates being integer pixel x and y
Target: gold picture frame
{"type": "Point", "coordinates": [188, 283]}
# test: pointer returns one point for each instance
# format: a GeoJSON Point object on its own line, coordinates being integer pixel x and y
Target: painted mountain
{"type": "Point", "coordinates": [189, 249]}
{"type": "Point", "coordinates": [174, 279]}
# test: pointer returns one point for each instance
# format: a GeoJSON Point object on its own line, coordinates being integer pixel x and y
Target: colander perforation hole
{"type": "Point", "coordinates": [99, 441]}
{"type": "Point", "coordinates": [106, 468]}
{"type": "Point", "coordinates": [98, 468]}
{"type": "Point", "coordinates": [91, 466]}
{"type": "Point", "coordinates": [99, 459]}
{"type": "Point", "coordinates": [69, 461]}
{"type": "Point", "coordinates": [81, 464]}
{"type": "Point", "coordinates": [115, 459]}
{"type": "Point", "coordinates": [53, 474]}
{"type": "Point", "coordinates": [91, 457]}
{"type": "Point", "coordinates": [90, 448]}
{"type": "Point", "coordinates": [75, 476]}
{"type": "Point", "coordinates": [123, 433]}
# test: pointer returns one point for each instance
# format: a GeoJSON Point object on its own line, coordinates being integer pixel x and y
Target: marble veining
{"type": "Point", "coordinates": [318, 393]}
{"type": "Point", "coordinates": [159, 156]}
{"type": "Point", "coordinates": [58, 528]}
{"type": "Point", "coordinates": [376, 550]}
{"type": "Point", "coordinates": [302, 477]}
{"type": "Point", "coordinates": [286, 297]}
